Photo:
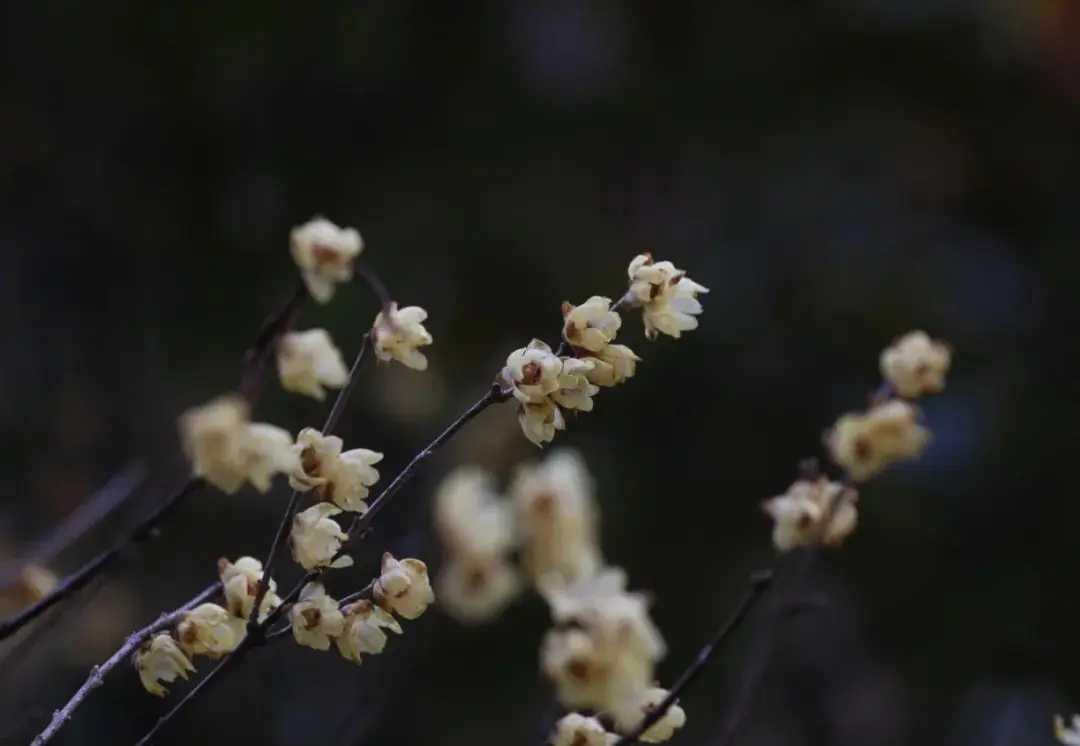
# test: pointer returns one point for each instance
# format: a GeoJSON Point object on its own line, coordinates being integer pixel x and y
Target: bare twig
{"type": "Point", "coordinates": [336, 411]}
{"type": "Point", "coordinates": [88, 514]}
{"type": "Point", "coordinates": [255, 362]}
{"type": "Point", "coordinates": [758, 585]}
{"type": "Point", "coordinates": [359, 526]}
{"type": "Point", "coordinates": [98, 673]}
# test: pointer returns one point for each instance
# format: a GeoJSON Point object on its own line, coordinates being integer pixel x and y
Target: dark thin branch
{"type": "Point", "coordinates": [98, 673]}
{"type": "Point", "coordinates": [336, 411]}
{"type": "Point", "coordinates": [88, 514]}
{"type": "Point", "coordinates": [760, 582]}
{"type": "Point", "coordinates": [255, 363]}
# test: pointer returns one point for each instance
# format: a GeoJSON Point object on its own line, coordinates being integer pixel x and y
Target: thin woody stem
{"type": "Point", "coordinates": [336, 411]}
{"type": "Point", "coordinates": [98, 673]}
{"type": "Point", "coordinates": [255, 362]}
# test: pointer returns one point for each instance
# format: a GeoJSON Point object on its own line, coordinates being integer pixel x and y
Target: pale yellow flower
{"type": "Point", "coordinates": [667, 297]}
{"type": "Point", "coordinates": [664, 728]}
{"type": "Point", "coordinates": [533, 372]}
{"type": "Point", "coordinates": [477, 589]}
{"type": "Point", "coordinates": [470, 518]}
{"type": "Point", "coordinates": [363, 633]}
{"type": "Point", "coordinates": [540, 421]}
{"type": "Point", "coordinates": [316, 538]}
{"type": "Point", "coordinates": [864, 444]}
{"type": "Point", "coordinates": [403, 587]}
{"type": "Point", "coordinates": [592, 325]}
{"type": "Point", "coordinates": [612, 365]}
{"type": "Point", "coordinates": [556, 517]}
{"type": "Point", "coordinates": [240, 582]}
{"type": "Point", "coordinates": [397, 334]}
{"type": "Point", "coordinates": [575, 391]}
{"type": "Point", "coordinates": [316, 618]}
{"type": "Point", "coordinates": [212, 437]}
{"type": "Point", "coordinates": [210, 630]}
{"type": "Point", "coordinates": [325, 254]}
{"type": "Point", "coordinates": [798, 514]}
{"type": "Point", "coordinates": [574, 729]}
{"type": "Point", "coordinates": [916, 365]}
{"type": "Point", "coordinates": [308, 361]}
{"type": "Point", "coordinates": [160, 659]}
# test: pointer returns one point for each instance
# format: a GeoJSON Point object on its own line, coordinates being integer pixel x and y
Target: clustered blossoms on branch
{"type": "Point", "coordinates": [863, 444]}
{"type": "Point", "coordinates": [546, 382]}
{"type": "Point", "coordinates": [208, 629]}
{"type": "Point", "coordinates": [602, 651]}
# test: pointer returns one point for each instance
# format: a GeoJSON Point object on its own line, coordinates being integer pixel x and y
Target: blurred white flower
{"type": "Point", "coordinates": [325, 254]}
{"type": "Point", "coordinates": [864, 444]}
{"type": "Point", "coordinates": [916, 365]}
{"type": "Point", "coordinates": [307, 361]}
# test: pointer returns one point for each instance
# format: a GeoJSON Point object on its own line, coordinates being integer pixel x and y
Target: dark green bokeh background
{"type": "Point", "coordinates": [835, 172]}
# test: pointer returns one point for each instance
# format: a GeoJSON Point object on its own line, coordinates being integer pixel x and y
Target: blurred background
{"type": "Point", "coordinates": [836, 173]}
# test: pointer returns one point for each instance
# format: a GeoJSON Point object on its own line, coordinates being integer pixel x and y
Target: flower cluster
{"type": "Point", "coordinates": [208, 629]}
{"type": "Point", "coordinates": [863, 444]}
{"type": "Point", "coordinates": [358, 628]}
{"type": "Point", "coordinates": [603, 647]}
{"type": "Point", "coordinates": [546, 382]}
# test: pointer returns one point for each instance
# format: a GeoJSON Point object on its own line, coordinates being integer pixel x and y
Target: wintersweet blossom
{"type": "Point", "coordinates": [664, 728]}
{"type": "Point", "coordinates": [210, 630]}
{"type": "Point", "coordinates": [612, 365]}
{"type": "Point", "coordinates": [397, 333]}
{"type": "Point", "coordinates": [592, 325]}
{"type": "Point", "coordinates": [325, 254]}
{"type": "Point", "coordinates": [471, 519]}
{"type": "Point", "coordinates": [915, 364]}
{"type": "Point", "coordinates": [403, 587]}
{"type": "Point", "coordinates": [1068, 735]}
{"type": "Point", "coordinates": [160, 659]}
{"type": "Point", "coordinates": [574, 729]}
{"type": "Point", "coordinates": [799, 511]}
{"type": "Point", "coordinates": [316, 618]}
{"type": "Point", "coordinates": [316, 538]}
{"type": "Point", "coordinates": [575, 391]}
{"type": "Point", "coordinates": [363, 633]}
{"type": "Point", "coordinates": [228, 450]}
{"type": "Point", "coordinates": [667, 297]}
{"type": "Point", "coordinates": [308, 361]}
{"type": "Point", "coordinates": [477, 589]}
{"type": "Point", "coordinates": [240, 583]}
{"type": "Point", "coordinates": [344, 479]}
{"type": "Point", "coordinates": [556, 517]}
{"type": "Point", "coordinates": [604, 655]}
{"type": "Point", "coordinates": [540, 421]}
{"type": "Point", "coordinates": [533, 372]}
{"type": "Point", "coordinates": [863, 444]}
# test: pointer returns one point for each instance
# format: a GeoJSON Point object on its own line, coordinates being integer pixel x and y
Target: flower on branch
{"type": "Point", "coordinates": [210, 630]}
{"type": "Point", "coordinates": [477, 589]}
{"type": "Point", "coordinates": [557, 517]}
{"type": "Point", "coordinates": [592, 325]}
{"type": "Point", "coordinates": [160, 659]}
{"type": "Point", "coordinates": [664, 728]}
{"type": "Point", "coordinates": [863, 444]}
{"type": "Point", "coordinates": [540, 421]}
{"type": "Point", "coordinates": [363, 633]}
{"type": "Point", "coordinates": [403, 587]}
{"type": "Point", "coordinates": [227, 450]}
{"type": "Point", "coordinates": [799, 511]}
{"type": "Point", "coordinates": [574, 729]}
{"type": "Point", "coordinates": [470, 517]}
{"type": "Point", "coordinates": [397, 333]}
{"type": "Point", "coordinates": [612, 365]}
{"type": "Point", "coordinates": [575, 391]}
{"type": "Point", "coordinates": [316, 538]}
{"type": "Point", "coordinates": [240, 583]}
{"type": "Point", "coordinates": [325, 254]}
{"type": "Point", "coordinates": [344, 479]}
{"type": "Point", "coordinates": [605, 656]}
{"type": "Point", "coordinates": [316, 618]}
{"type": "Point", "coordinates": [533, 372]}
{"type": "Point", "coordinates": [307, 361]}
{"type": "Point", "coordinates": [667, 297]}
{"type": "Point", "coordinates": [916, 365]}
